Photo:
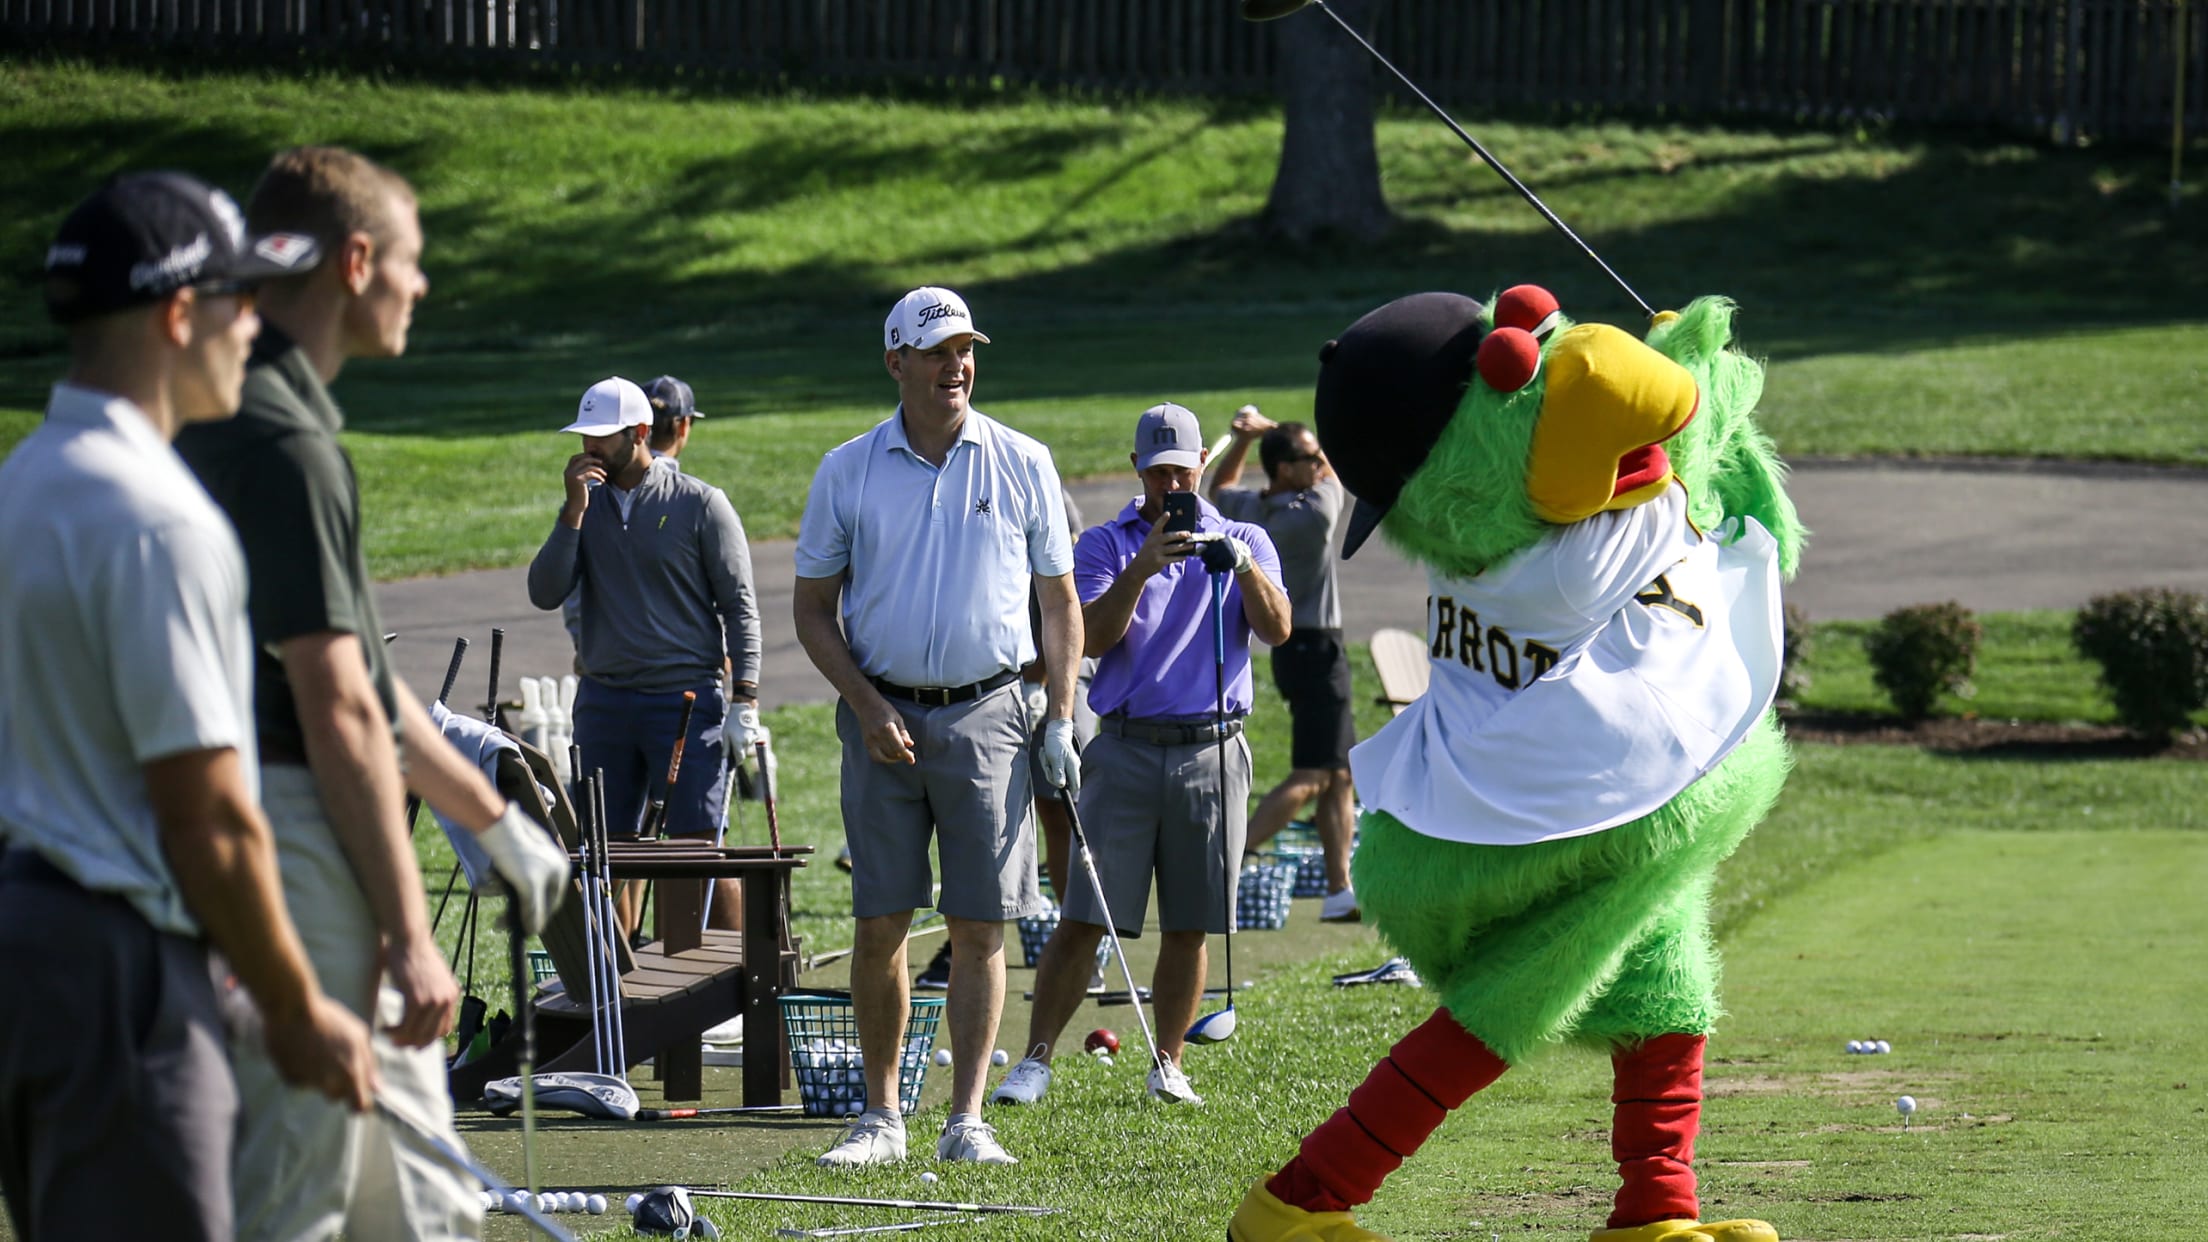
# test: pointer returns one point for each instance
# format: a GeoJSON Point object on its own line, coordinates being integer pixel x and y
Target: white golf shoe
{"type": "Point", "coordinates": [875, 1137]}
{"type": "Point", "coordinates": [970, 1138]}
{"type": "Point", "coordinates": [1169, 1085]}
{"type": "Point", "coordinates": [1025, 1084]}
{"type": "Point", "coordinates": [1340, 907]}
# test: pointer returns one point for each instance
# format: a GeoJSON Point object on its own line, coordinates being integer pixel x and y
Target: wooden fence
{"type": "Point", "coordinates": [2061, 69]}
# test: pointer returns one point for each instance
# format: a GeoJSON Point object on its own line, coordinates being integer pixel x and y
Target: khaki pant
{"type": "Point", "coordinates": [306, 1167]}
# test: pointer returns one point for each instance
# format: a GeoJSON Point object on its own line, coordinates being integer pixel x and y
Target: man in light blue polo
{"type": "Point", "coordinates": [1151, 781]}
{"type": "Point", "coordinates": [920, 543]}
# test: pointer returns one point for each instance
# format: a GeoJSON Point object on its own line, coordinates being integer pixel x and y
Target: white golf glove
{"type": "Point", "coordinates": [530, 861]}
{"type": "Point", "coordinates": [1061, 758]}
{"type": "Point", "coordinates": [1243, 557]}
{"type": "Point", "coordinates": [744, 730]}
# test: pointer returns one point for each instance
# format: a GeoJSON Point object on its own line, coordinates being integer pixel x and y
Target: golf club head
{"type": "Point", "coordinates": [1213, 1028]}
{"type": "Point", "coordinates": [668, 1213]}
{"type": "Point", "coordinates": [1267, 10]}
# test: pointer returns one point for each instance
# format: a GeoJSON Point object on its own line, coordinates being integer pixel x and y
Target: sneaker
{"type": "Point", "coordinates": [1340, 907]}
{"type": "Point", "coordinates": [1394, 970]}
{"type": "Point", "coordinates": [1025, 1084]}
{"type": "Point", "coordinates": [874, 1138]}
{"type": "Point", "coordinates": [971, 1138]}
{"type": "Point", "coordinates": [843, 859]}
{"type": "Point", "coordinates": [1169, 1085]}
{"type": "Point", "coordinates": [937, 977]}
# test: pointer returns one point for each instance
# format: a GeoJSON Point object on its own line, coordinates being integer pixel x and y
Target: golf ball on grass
{"type": "Point", "coordinates": [595, 1205]}
{"type": "Point", "coordinates": [1906, 1105]}
{"type": "Point", "coordinates": [1883, 1046]}
{"type": "Point", "coordinates": [1104, 1059]}
{"type": "Point", "coordinates": [942, 1056]}
{"type": "Point", "coordinates": [631, 1202]}
{"type": "Point", "coordinates": [1855, 1045]}
{"type": "Point", "coordinates": [927, 1179]}
{"type": "Point", "coordinates": [1000, 1057]}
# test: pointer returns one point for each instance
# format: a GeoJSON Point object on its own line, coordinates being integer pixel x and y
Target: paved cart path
{"type": "Point", "coordinates": [1995, 536]}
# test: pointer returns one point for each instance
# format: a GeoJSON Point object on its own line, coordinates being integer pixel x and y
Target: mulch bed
{"type": "Point", "coordinates": [2003, 739]}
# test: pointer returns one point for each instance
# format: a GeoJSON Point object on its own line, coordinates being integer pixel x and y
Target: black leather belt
{"type": "Point", "coordinates": [31, 867]}
{"type": "Point", "coordinates": [944, 696]}
{"type": "Point", "coordinates": [1170, 732]}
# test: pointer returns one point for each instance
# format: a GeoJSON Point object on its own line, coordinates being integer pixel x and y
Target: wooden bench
{"type": "Point", "coordinates": [679, 986]}
{"type": "Point", "coordinates": [1400, 658]}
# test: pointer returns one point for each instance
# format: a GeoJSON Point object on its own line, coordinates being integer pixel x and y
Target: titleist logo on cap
{"type": "Point", "coordinates": [929, 314]}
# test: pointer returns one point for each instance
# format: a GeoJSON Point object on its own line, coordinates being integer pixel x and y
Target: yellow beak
{"type": "Point", "coordinates": [1610, 401]}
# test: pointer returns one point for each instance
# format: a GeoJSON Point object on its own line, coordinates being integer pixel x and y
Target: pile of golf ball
{"type": "Point", "coordinates": [549, 1201]}
{"type": "Point", "coordinates": [1869, 1047]}
{"type": "Point", "coordinates": [831, 1073]}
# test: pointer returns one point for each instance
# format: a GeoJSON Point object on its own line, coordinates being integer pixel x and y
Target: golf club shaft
{"type": "Point", "coordinates": [414, 801]}
{"type": "Point", "coordinates": [498, 651]}
{"type": "Point", "coordinates": [655, 816]}
{"type": "Point", "coordinates": [679, 1114]}
{"type": "Point", "coordinates": [1219, 729]}
{"type": "Point", "coordinates": [766, 794]}
{"type": "Point", "coordinates": [851, 1231]}
{"type": "Point", "coordinates": [1111, 928]}
{"type": "Point", "coordinates": [910, 1205]}
{"type": "Point", "coordinates": [518, 961]}
{"type": "Point", "coordinates": [590, 938]}
{"type": "Point", "coordinates": [612, 992]}
{"type": "Point", "coordinates": [1489, 158]}
{"type": "Point", "coordinates": [471, 1166]}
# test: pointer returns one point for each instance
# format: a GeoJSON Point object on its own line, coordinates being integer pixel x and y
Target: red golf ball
{"type": "Point", "coordinates": [1101, 1040]}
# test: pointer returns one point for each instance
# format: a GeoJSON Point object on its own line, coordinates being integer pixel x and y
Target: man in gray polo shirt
{"type": "Point", "coordinates": [920, 543]}
{"type": "Point", "coordinates": [1301, 507]}
{"type": "Point", "coordinates": [130, 835]}
{"type": "Point", "coordinates": [667, 608]}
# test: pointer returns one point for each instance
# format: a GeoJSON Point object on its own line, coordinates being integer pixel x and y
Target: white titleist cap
{"type": "Point", "coordinates": [925, 317]}
{"type": "Point", "coordinates": [610, 404]}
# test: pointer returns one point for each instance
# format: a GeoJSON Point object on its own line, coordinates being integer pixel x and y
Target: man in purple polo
{"type": "Point", "coordinates": [1151, 786]}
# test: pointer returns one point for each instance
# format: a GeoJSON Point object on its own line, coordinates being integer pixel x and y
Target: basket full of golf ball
{"type": "Point", "coordinates": [825, 1058]}
{"type": "Point", "coordinates": [1262, 893]}
{"type": "Point", "coordinates": [1035, 932]}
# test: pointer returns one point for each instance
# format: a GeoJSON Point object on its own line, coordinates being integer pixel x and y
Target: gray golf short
{"type": "Point", "coordinates": [970, 793]}
{"type": "Point", "coordinates": [1147, 808]}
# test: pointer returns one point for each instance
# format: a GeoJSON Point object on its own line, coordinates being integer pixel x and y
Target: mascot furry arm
{"type": "Point", "coordinates": [1604, 528]}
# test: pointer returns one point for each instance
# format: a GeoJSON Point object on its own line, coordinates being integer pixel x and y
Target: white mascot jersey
{"type": "Point", "coordinates": [1585, 681]}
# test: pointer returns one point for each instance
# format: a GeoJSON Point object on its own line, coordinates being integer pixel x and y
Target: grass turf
{"type": "Point", "coordinates": [751, 243]}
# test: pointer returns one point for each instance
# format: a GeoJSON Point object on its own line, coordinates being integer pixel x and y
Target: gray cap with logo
{"type": "Point", "coordinates": [1167, 435]}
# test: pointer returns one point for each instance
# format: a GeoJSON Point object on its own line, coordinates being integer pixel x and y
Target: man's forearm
{"type": "Point", "coordinates": [1104, 620]}
{"type": "Point", "coordinates": [1229, 470]}
{"type": "Point", "coordinates": [820, 633]}
{"type": "Point", "coordinates": [1062, 643]}
{"type": "Point", "coordinates": [552, 573]}
{"type": "Point", "coordinates": [224, 859]}
{"type": "Point", "coordinates": [1265, 606]}
{"type": "Point", "coordinates": [356, 770]}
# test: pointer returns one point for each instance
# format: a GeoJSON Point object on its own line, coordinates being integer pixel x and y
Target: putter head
{"type": "Point", "coordinates": [1267, 10]}
{"type": "Point", "coordinates": [1213, 1028]}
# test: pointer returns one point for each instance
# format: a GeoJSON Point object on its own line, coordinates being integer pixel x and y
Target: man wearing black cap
{"type": "Point", "coordinates": [331, 716]}
{"type": "Point", "coordinates": [131, 839]}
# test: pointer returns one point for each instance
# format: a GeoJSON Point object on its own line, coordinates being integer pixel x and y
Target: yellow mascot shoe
{"type": "Point", "coordinates": [1656, 1231]}
{"type": "Point", "coordinates": [1740, 1231]}
{"type": "Point", "coordinates": [1264, 1218]}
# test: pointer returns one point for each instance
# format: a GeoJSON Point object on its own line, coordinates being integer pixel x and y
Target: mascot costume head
{"type": "Point", "coordinates": [1604, 528]}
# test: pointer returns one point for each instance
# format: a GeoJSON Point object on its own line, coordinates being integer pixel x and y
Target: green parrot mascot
{"type": "Point", "coordinates": [1605, 529]}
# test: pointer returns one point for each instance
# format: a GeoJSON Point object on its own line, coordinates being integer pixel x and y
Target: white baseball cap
{"type": "Point", "coordinates": [608, 406]}
{"type": "Point", "coordinates": [925, 317]}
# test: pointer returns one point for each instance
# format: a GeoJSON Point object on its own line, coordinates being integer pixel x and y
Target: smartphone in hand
{"type": "Point", "coordinates": [1180, 512]}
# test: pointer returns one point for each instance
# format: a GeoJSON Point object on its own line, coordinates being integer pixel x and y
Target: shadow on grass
{"type": "Point", "coordinates": [1962, 243]}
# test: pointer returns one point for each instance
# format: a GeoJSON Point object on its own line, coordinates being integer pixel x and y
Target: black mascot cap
{"type": "Point", "coordinates": [1387, 390]}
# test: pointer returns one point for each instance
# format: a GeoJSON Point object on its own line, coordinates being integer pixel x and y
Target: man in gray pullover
{"type": "Point", "coordinates": [667, 607]}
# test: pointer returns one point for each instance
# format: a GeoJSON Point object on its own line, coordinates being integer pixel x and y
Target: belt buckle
{"type": "Point", "coordinates": [932, 696]}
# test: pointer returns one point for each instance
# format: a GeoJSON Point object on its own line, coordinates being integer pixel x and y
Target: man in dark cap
{"type": "Point", "coordinates": [131, 837]}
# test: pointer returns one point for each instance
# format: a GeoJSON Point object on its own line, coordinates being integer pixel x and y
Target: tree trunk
{"type": "Point", "coordinates": [1328, 183]}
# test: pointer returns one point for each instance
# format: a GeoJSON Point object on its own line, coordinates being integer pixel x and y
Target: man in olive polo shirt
{"type": "Point", "coordinates": [330, 714]}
